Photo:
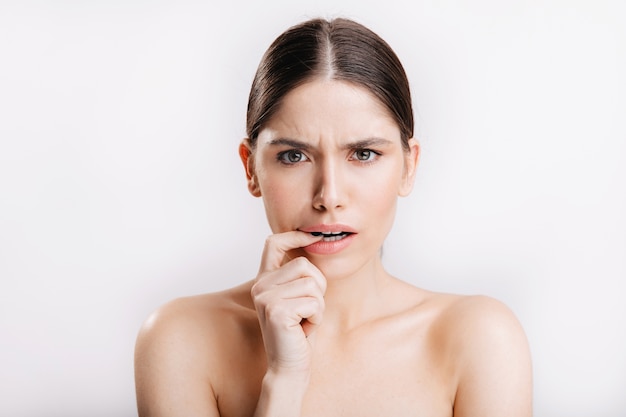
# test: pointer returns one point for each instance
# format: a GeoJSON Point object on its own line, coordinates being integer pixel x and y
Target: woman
{"type": "Point", "coordinates": [323, 329]}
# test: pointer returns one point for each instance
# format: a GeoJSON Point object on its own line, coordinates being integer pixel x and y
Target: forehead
{"type": "Point", "coordinates": [334, 109]}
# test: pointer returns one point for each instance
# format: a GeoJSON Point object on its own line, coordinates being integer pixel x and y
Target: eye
{"type": "Point", "coordinates": [365, 155]}
{"type": "Point", "coordinates": [292, 156]}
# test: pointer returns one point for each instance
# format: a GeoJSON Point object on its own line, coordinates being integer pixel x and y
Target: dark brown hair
{"type": "Point", "coordinates": [339, 49]}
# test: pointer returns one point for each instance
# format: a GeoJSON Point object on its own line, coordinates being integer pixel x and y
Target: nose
{"type": "Point", "coordinates": [328, 192]}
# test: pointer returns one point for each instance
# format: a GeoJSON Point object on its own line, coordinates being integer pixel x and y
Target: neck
{"type": "Point", "coordinates": [357, 298]}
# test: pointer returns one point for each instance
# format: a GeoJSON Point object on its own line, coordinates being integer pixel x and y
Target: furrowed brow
{"type": "Point", "coordinates": [292, 143]}
{"type": "Point", "coordinates": [367, 143]}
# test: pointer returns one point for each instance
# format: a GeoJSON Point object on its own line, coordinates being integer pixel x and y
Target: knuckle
{"type": "Point", "coordinates": [261, 297]}
{"type": "Point", "coordinates": [263, 282]}
{"type": "Point", "coordinates": [313, 303]}
{"type": "Point", "coordinates": [323, 285]}
{"type": "Point", "coordinates": [273, 311]}
{"type": "Point", "coordinates": [310, 285]}
{"type": "Point", "coordinates": [321, 304]}
{"type": "Point", "coordinates": [257, 289]}
{"type": "Point", "coordinates": [270, 241]}
{"type": "Point", "coordinates": [301, 262]}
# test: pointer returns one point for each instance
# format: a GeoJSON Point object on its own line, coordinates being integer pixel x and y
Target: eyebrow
{"type": "Point", "coordinates": [362, 143]}
{"type": "Point", "coordinates": [292, 143]}
{"type": "Point", "coordinates": [367, 143]}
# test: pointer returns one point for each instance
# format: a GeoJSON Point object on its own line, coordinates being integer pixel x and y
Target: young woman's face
{"type": "Point", "coordinates": [330, 160]}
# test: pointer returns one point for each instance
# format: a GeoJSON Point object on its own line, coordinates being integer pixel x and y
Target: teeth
{"type": "Point", "coordinates": [332, 238]}
{"type": "Point", "coordinates": [328, 234]}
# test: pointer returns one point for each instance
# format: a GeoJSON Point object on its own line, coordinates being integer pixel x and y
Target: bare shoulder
{"type": "Point", "coordinates": [178, 352]}
{"type": "Point", "coordinates": [478, 316]}
{"type": "Point", "coordinates": [491, 355]}
{"type": "Point", "coordinates": [195, 315]}
{"type": "Point", "coordinates": [191, 322]}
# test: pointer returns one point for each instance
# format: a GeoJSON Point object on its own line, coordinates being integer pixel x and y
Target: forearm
{"type": "Point", "coordinates": [282, 395]}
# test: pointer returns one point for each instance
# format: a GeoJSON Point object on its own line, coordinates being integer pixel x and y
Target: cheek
{"type": "Point", "coordinates": [282, 198]}
{"type": "Point", "coordinates": [382, 194]}
{"type": "Point", "coordinates": [385, 183]}
{"type": "Point", "coordinates": [384, 201]}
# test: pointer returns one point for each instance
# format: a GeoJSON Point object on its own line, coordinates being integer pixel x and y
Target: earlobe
{"type": "Point", "coordinates": [410, 166]}
{"type": "Point", "coordinates": [247, 158]}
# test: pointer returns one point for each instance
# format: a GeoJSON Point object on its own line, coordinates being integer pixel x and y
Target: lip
{"type": "Point", "coordinates": [328, 228]}
{"type": "Point", "coordinates": [322, 247]}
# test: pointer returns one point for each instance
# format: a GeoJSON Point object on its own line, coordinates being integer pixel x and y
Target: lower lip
{"type": "Point", "coordinates": [328, 248]}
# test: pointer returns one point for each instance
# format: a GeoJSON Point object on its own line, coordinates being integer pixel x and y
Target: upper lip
{"type": "Point", "coordinates": [328, 228]}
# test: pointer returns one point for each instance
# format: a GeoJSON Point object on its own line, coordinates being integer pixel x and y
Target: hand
{"type": "Point", "coordinates": [289, 300]}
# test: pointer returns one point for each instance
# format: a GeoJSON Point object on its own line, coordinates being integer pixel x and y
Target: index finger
{"type": "Point", "coordinates": [277, 245]}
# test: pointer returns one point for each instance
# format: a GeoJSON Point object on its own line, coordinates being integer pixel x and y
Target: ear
{"type": "Point", "coordinates": [411, 158]}
{"type": "Point", "coordinates": [247, 158]}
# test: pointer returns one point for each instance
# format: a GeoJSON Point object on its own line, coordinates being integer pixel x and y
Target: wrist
{"type": "Point", "coordinates": [282, 393]}
{"type": "Point", "coordinates": [291, 380]}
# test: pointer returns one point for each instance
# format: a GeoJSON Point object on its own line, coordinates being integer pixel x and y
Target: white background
{"type": "Point", "coordinates": [120, 185]}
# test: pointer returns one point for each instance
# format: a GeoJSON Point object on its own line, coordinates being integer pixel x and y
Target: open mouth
{"type": "Point", "coordinates": [332, 236]}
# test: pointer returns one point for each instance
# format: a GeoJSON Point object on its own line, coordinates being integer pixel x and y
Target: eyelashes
{"type": "Point", "coordinates": [296, 156]}
{"type": "Point", "coordinates": [291, 157]}
{"type": "Point", "coordinates": [365, 155]}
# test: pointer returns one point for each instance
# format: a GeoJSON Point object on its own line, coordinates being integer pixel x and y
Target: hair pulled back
{"type": "Point", "coordinates": [340, 49]}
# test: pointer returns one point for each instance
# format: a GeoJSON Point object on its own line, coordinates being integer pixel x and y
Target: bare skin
{"type": "Point", "coordinates": [324, 330]}
{"type": "Point", "coordinates": [428, 355]}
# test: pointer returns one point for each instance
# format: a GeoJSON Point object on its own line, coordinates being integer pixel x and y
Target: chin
{"type": "Point", "coordinates": [336, 268]}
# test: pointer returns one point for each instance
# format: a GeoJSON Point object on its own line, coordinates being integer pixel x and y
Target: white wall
{"type": "Point", "coordinates": [120, 186]}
